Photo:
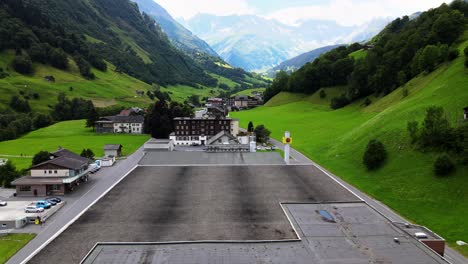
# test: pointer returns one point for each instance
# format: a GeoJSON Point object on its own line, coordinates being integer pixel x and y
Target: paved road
{"type": "Point", "coordinates": [99, 184]}
{"type": "Point", "coordinates": [298, 158]}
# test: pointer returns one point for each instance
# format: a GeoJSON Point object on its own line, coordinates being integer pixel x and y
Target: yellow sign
{"type": "Point", "coordinates": [287, 140]}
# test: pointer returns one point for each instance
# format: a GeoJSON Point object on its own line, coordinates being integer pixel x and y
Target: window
{"type": "Point", "coordinates": [56, 187]}
{"type": "Point", "coordinates": [25, 188]}
{"type": "Point", "coordinates": [45, 172]}
{"type": "Point", "coordinates": [55, 171]}
{"type": "Point", "coordinates": [50, 171]}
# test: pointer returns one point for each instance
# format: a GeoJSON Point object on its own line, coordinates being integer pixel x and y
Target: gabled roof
{"type": "Point", "coordinates": [112, 147]}
{"type": "Point", "coordinates": [220, 135]}
{"type": "Point", "coordinates": [66, 153]}
{"type": "Point", "coordinates": [123, 119]}
{"type": "Point", "coordinates": [63, 162]}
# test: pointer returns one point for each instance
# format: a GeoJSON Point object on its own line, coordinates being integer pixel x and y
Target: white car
{"type": "Point", "coordinates": [33, 209]}
{"type": "Point", "coordinates": [3, 203]}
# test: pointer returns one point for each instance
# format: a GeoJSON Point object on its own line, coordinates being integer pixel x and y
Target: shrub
{"type": "Point", "coordinates": [404, 92]}
{"type": "Point", "coordinates": [323, 94]}
{"type": "Point", "coordinates": [413, 129]}
{"type": "Point", "coordinates": [443, 165]}
{"type": "Point", "coordinates": [262, 134]}
{"type": "Point", "coordinates": [23, 64]}
{"type": "Point", "coordinates": [375, 155]}
{"type": "Point", "coordinates": [367, 102]}
{"type": "Point", "coordinates": [339, 102]}
{"type": "Point", "coordinates": [19, 104]}
{"type": "Point", "coordinates": [453, 54]}
{"type": "Point", "coordinates": [40, 157]}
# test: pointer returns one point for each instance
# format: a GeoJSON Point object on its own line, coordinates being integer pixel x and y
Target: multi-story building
{"type": "Point", "coordinates": [132, 124]}
{"type": "Point", "coordinates": [61, 174]}
{"type": "Point", "coordinates": [245, 101]}
{"type": "Point", "coordinates": [196, 131]}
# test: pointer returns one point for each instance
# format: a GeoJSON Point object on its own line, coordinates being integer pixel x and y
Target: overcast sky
{"type": "Point", "coordinates": [345, 12]}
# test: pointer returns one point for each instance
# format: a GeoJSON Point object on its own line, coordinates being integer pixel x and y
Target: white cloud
{"type": "Point", "coordinates": [189, 8]}
{"type": "Point", "coordinates": [352, 12]}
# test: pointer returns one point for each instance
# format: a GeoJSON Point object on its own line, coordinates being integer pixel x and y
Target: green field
{"type": "Point", "coordinates": [250, 91]}
{"type": "Point", "coordinates": [358, 54]}
{"type": "Point", "coordinates": [109, 88]}
{"type": "Point", "coordinates": [11, 243]}
{"type": "Point", "coordinates": [407, 184]}
{"type": "Point", "coordinates": [71, 135]}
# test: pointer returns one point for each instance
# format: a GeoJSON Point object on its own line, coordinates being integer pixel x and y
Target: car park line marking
{"type": "Point", "coordinates": [60, 231]}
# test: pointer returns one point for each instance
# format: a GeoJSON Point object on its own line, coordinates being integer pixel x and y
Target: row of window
{"type": "Point", "coordinates": [27, 188]}
{"type": "Point", "coordinates": [50, 172]}
{"type": "Point", "coordinates": [221, 122]}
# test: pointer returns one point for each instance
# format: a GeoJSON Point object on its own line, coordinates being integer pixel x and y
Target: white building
{"type": "Point", "coordinates": [132, 124]}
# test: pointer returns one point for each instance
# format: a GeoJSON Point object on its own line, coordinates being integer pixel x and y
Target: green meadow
{"type": "Point", "coordinates": [72, 135]}
{"type": "Point", "coordinates": [406, 183]}
{"type": "Point", "coordinates": [11, 243]}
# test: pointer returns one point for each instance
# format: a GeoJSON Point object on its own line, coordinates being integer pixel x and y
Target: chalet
{"type": "Point", "coordinates": [244, 102]}
{"type": "Point", "coordinates": [61, 174]}
{"type": "Point", "coordinates": [131, 124]}
{"type": "Point", "coordinates": [113, 150]}
{"type": "Point", "coordinates": [197, 131]}
{"type": "Point", "coordinates": [215, 102]}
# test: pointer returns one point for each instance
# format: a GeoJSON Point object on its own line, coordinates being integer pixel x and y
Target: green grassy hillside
{"type": "Point", "coordinates": [407, 184]}
{"type": "Point", "coordinates": [108, 88]}
{"type": "Point", "coordinates": [71, 135]}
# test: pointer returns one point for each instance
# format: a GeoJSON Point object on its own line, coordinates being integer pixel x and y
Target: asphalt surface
{"type": "Point", "coordinates": [203, 158]}
{"type": "Point", "coordinates": [76, 203]}
{"type": "Point", "coordinates": [195, 203]}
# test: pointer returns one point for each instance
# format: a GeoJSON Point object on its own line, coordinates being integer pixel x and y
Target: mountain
{"type": "Point", "coordinates": [180, 37]}
{"type": "Point", "coordinates": [299, 61]}
{"type": "Point", "coordinates": [256, 44]}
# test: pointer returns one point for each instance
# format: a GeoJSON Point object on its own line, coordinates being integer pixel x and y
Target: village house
{"type": "Point", "coordinates": [132, 124]}
{"type": "Point", "coordinates": [61, 174]}
{"type": "Point", "coordinates": [114, 150]}
{"type": "Point", "coordinates": [196, 131]}
{"type": "Point", "coordinates": [245, 101]}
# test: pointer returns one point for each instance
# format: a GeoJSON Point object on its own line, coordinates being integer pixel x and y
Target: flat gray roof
{"type": "Point", "coordinates": [359, 235]}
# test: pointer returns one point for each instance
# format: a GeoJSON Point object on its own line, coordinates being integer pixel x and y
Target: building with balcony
{"type": "Point", "coordinates": [61, 174]}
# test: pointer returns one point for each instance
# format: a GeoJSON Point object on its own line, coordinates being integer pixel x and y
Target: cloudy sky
{"type": "Point", "coordinates": [345, 12]}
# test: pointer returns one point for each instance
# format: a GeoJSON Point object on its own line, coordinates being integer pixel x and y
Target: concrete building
{"type": "Point", "coordinates": [57, 176]}
{"type": "Point", "coordinates": [196, 131]}
{"type": "Point", "coordinates": [159, 145]}
{"type": "Point", "coordinates": [132, 124]}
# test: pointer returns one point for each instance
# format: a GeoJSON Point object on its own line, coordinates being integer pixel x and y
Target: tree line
{"type": "Point", "coordinates": [405, 48]}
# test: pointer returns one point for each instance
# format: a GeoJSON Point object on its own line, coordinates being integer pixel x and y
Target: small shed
{"type": "Point", "coordinates": [114, 150]}
{"type": "Point", "coordinates": [159, 145]}
{"type": "Point", "coordinates": [107, 161]}
{"type": "Point", "coordinates": [465, 114]}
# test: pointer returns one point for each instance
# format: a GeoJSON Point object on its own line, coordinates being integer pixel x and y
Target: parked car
{"type": "Point", "coordinates": [43, 204]}
{"type": "Point", "coordinates": [52, 202]}
{"type": "Point", "coordinates": [33, 209]}
{"type": "Point", "coordinates": [3, 203]}
{"type": "Point", "coordinates": [54, 199]}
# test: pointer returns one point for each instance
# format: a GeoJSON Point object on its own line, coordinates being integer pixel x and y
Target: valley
{"type": "Point", "coordinates": [336, 139]}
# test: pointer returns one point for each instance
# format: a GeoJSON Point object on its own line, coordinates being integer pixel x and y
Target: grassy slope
{"type": "Point", "coordinates": [11, 243]}
{"type": "Point", "coordinates": [358, 54]}
{"type": "Point", "coordinates": [337, 139]}
{"type": "Point", "coordinates": [109, 88]}
{"type": "Point", "coordinates": [69, 134]}
{"type": "Point", "coordinates": [250, 91]}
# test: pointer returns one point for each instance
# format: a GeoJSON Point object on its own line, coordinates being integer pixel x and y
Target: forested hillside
{"type": "Point", "coordinates": [403, 50]}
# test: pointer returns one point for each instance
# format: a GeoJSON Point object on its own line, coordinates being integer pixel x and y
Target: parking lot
{"type": "Point", "coordinates": [195, 203]}
{"type": "Point", "coordinates": [13, 215]}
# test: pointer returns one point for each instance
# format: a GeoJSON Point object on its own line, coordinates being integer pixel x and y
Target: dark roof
{"type": "Point", "coordinates": [112, 147]}
{"type": "Point", "coordinates": [124, 119]}
{"type": "Point", "coordinates": [66, 153]}
{"type": "Point", "coordinates": [64, 162]}
{"type": "Point", "coordinates": [220, 135]}
{"type": "Point", "coordinates": [28, 180]}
